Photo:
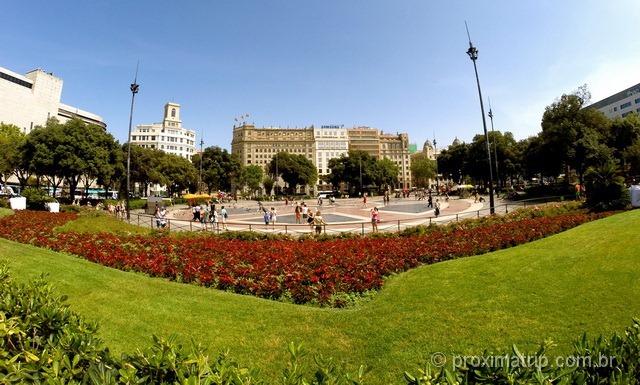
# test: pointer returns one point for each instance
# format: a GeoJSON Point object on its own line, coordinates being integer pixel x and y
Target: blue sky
{"type": "Point", "coordinates": [396, 65]}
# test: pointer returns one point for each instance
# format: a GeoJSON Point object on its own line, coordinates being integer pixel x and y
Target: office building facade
{"type": "Point", "coordinates": [30, 100]}
{"type": "Point", "coordinates": [620, 104]}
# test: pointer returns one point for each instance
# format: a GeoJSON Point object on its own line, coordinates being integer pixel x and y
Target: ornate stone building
{"type": "Point", "coordinates": [382, 145]}
{"type": "Point", "coordinates": [258, 145]}
{"type": "Point", "coordinates": [168, 136]}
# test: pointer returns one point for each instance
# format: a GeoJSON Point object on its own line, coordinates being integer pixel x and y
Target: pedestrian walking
{"type": "Point", "coordinates": [318, 222]}
{"type": "Point", "coordinates": [267, 217]}
{"type": "Point", "coordinates": [298, 213]}
{"type": "Point", "coordinates": [375, 219]}
{"type": "Point", "coordinates": [437, 209]}
{"type": "Point", "coordinates": [224, 215]}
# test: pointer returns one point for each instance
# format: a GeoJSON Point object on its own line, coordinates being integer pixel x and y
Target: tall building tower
{"type": "Point", "coordinates": [168, 136]}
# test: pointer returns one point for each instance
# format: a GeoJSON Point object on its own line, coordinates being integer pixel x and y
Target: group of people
{"type": "Point", "coordinates": [269, 216]}
{"type": "Point", "coordinates": [207, 213]}
{"type": "Point", "coordinates": [161, 217]}
{"type": "Point", "coordinates": [304, 214]}
{"type": "Point", "coordinates": [119, 209]}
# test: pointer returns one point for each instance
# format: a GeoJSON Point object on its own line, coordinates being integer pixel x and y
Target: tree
{"type": "Point", "coordinates": [145, 166]}
{"type": "Point", "coordinates": [565, 123]}
{"type": "Point", "coordinates": [422, 169]}
{"type": "Point", "coordinates": [43, 152]}
{"type": "Point", "coordinates": [452, 162]}
{"type": "Point", "coordinates": [268, 183]}
{"type": "Point", "coordinates": [622, 135]}
{"type": "Point", "coordinates": [177, 173]}
{"type": "Point", "coordinates": [386, 172]}
{"type": "Point", "coordinates": [220, 169]}
{"type": "Point", "coordinates": [251, 176]}
{"type": "Point", "coordinates": [605, 188]}
{"type": "Point", "coordinates": [11, 139]}
{"type": "Point", "coordinates": [295, 169]}
{"type": "Point", "coordinates": [348, 169]}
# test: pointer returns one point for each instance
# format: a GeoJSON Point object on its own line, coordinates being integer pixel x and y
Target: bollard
{"type": "Point", "coordinates": [506, 208]}
{"type": "Point", "coordinates": [456, 217]}
{"type": "Point", "coordinates": [138, 215]}
{"type": "Point", "coordinates": [190, 225]}
{"type": "Point", "coordinates": [250, 227]}
{"type": "Point", "coordinates": [429, 221]}
{"type": "Point", "coordinates": [362, 228]}
{"type": "Point", "coordinates": [398, 224]}
{"type": "Point", "coordinates": [285, 229]}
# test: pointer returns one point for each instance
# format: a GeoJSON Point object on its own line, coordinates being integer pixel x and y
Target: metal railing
{"type": "Point", "coordinates": [360, 227]}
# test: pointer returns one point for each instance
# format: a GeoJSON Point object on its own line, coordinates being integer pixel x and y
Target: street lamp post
{"type": "Point", "coordinates": [435, 155]}
{"type": "Point", "coordinates": [473, 55]}
{"type": "Point", "coordinates": [201, 158]}
{"type": "Point", "coordinates": [495, 149]}
{"type": "Point", "coordinates": [360, 161]}
{"type": "Point", "coordinates": [134, 87]}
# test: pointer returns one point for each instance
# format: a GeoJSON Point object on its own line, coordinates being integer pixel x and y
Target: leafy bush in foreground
{"type": "Point", "coordinates": [614, 360]}
{"type": "Point", "coordinates": [43, 342]}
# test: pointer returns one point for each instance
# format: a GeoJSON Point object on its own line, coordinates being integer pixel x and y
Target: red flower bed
{"type": "Point", "coordinates": [306, 271]}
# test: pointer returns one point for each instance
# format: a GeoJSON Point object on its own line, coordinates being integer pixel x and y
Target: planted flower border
{"type": "Point", "coordinates": [303, 271]}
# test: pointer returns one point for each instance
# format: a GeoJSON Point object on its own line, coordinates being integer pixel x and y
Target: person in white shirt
{"type": "Point", "coordinates": [224, 215]}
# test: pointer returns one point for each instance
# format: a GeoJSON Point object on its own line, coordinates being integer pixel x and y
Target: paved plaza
{"type": "Point", "coordinates": [346, 215]}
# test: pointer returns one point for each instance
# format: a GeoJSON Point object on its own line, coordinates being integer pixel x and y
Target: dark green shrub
{"type": "Point", "coordinates": [4, 203]}
{"type": "Point", "coordinates": [605, 188]}
{"type": "Point", "coordinates": [137, 204]}
{"type": "Point", "coordinates": [36, 198]}
{"type": "Point", "coordinates": [71, 208]}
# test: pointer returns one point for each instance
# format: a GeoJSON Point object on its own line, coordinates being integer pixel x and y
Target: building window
{"type": "Point", "coordinates": [637, 101]}
{"type": "Point", "coordinates": [627, 104]}
{"type": "Point", "coordinates": [173, 112]}
{"type": "Point", "coordinates": [615, 108]}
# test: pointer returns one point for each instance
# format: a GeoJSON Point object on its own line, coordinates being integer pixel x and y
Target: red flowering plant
{"type": "Point", "coordinates": [303, 271]}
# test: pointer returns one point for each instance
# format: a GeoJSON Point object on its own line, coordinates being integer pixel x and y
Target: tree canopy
{"type": "Point", "coordinates": [220, 169]}
{"type": "Point", "coordinates": [295, 169]}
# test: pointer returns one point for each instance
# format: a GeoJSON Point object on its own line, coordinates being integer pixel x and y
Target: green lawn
{"type": "Point", "coordinates": [585, 279]}
{"type": "Point", "coordinates": [94, 221]}
{"type": "Point", "coordinates": [5, 212]}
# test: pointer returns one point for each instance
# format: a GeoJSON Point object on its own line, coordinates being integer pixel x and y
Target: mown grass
{"type": "Point", "coordinates": [582, 280]}
{"type": "Point", "coordinates": [97, 221]}
{"type": "Point", "coordinates": [4, 212]}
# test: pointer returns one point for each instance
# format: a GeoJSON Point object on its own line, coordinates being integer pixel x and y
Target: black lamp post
{"type": "Point", "coordinates": [435, 155]}
{"type": "Point", "coordinates": [473, 55]}
{"type": "Point", "coordinates": [134, 87]}
{"type": "Point", "coordinates": [495, 149]}
{"type": "Point", "coordinates": [360, 162]}
{"type": "Point", "coordinates": [201, 158]}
